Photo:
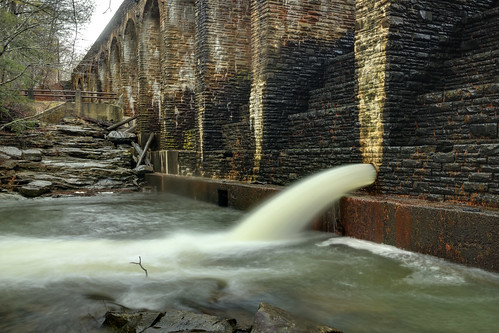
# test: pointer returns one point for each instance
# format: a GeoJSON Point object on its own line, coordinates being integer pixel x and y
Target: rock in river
{"type": "Point", "coordinates": [35, 188]}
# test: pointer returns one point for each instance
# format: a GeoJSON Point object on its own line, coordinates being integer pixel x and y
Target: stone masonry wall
{"type": "Point", "coordinates": [292, 42]}
{"type": "Point", "coordinates": [441, 117]}
{"type": "Point", "coordinates": [179, 71]}
{"type": "Point", "coordinates": [273, 90]}
{"type": "Point", "coordinates": [150, 78]}
{"type": "Point", "coordinates": [223, 65]}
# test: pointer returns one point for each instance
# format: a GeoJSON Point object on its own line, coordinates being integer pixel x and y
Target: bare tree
{"type": "Point", "coordinates": [36, 37]}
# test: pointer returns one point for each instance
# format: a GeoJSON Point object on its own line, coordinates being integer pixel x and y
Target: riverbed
{"type": "Point", "coordinates": [66, 261]}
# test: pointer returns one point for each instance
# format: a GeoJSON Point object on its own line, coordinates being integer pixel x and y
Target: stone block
{"type": "Point", "coordinates": [484, 130]}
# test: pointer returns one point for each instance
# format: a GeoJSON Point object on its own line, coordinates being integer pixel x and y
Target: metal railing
{"type": "Point", "coordinates": [69, 95]}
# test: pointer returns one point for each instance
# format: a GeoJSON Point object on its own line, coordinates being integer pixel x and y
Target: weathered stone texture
{"type": "Point", "coordinates": [179, 69]}
{"type": "Point", "coordinates": [442, 108]}
{"type": "Point", "coordinates": [273, 90]}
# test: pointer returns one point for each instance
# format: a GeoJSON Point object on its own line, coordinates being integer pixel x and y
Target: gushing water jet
{"type": "Point", "coordinates": [290, 211]}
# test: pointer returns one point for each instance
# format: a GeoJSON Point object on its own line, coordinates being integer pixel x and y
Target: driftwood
{"type": "Point", "coordinates": [123, 122]}
{"type": "Point", "coordinates": [139, 152]}
{"type": "Point", "coordinates": [142, 156]}
{"type": "Point", "coordinates": [140, 264]}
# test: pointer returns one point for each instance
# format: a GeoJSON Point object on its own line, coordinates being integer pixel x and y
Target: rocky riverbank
{"type": "Point", "coordinates": [268, 319]}
{"type": "Point", "coordinates": [72, 157]}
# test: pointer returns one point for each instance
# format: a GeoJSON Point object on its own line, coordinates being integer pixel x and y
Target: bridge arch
{"type": "Point", "coordinates": [150, 79]}
{"type": "Point", "coordinates": [102, 74]}
{"type": "Point", "coordinates": [130, 68]}
{"type": "Point", "coordinates": [115, 67]}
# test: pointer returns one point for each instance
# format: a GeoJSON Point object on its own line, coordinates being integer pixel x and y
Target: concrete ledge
{"type": "Point", "coordinates": [462, 234]}
{"type": "Point", "coordinates": [219, 192]}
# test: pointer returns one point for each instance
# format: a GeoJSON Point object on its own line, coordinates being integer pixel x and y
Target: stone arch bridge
{"type": "Point", "coordinates": [271, 90]}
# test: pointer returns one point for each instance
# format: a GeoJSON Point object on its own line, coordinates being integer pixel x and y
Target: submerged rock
{"type": "Point", "coordinates": [185, 321]}
{"type": "Point", "coordinates": [271, 319]}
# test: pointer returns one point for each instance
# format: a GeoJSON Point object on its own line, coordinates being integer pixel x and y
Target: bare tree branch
{"type": "Point", "coordinates": [140, 264]}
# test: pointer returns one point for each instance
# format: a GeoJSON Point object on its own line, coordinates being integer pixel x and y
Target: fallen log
{"type": "Point", "coordinates": [139, 152]}
{"type": "Point", "coordinates": [146, 147]}
{"type": "Point", "coordinates": [123, 122]}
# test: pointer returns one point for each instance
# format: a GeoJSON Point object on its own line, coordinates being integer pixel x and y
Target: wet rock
{"type": "Point", "coordinates": [167, 322]}
{"type": "Point", "coordinates": [12, 152]}
{"type": "Point", "coordinates": [36, 188]}
{"type": "Point", "coordinates": [270, 319]}
{"type": "Point", "coordinates": [130, 322]}
{"type": "Point", "coordinates": [184, 321]}
{"type": "Point", "coordinates": [121, 137]}
{"type": "Point", "coordinates": [34, 155]}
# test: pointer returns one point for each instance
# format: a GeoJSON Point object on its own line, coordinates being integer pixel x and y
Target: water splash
{"type": "Point", "coordinates": [289, 212]}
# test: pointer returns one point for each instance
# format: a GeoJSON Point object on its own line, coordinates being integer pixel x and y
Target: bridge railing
{"type": "Point", "coordinates": [69, 95]}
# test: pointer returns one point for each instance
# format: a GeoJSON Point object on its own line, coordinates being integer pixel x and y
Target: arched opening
{"type": "Point", "coordinates": [92, 79]}
{"type": "Point", "coordinates": [150, 70]}
{"type": "Point", "coordinates": [102, 77]}
{"type": "Point", "coordinates": [115, 67]}
{"type": "Point", "coordinates": [130, 69]}
{"type": "Point", "coordinates": [79, 85]}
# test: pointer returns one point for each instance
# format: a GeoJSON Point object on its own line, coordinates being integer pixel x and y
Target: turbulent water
{"type": "Point", "coordinates": [65, 262]}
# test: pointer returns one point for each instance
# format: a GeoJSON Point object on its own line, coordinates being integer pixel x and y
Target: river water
{"type": "Point", "coordinates": [65, 262]}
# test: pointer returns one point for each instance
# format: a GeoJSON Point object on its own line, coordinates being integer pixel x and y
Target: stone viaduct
{"type": "Point", "coordinates": [268, 91]}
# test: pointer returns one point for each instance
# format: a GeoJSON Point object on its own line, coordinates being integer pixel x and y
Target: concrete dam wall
{"type": "Point", "coordinates": [268, 91]}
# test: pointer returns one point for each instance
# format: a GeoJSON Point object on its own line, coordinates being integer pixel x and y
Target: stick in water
{"type": "Point", "coordinates": [140, 264]}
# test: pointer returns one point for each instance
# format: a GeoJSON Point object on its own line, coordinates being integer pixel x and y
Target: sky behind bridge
{"type": "Point", "coordinates": [104, 11]}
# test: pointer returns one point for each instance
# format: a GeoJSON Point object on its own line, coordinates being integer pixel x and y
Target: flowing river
{"type": "Point", "coordinates": [65, 262]}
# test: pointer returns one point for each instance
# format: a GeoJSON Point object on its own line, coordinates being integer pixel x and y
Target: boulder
{"type": "Point", "coordinates": [270, 319]}
{"type": "Point", "coordinates": [185, 321]}
{"type": "Point", "coordinates": [33, 155]}
{"type": "Point", "coordinates": [35, 188]}
{"type": "Point", "coordinates": [130, 322]}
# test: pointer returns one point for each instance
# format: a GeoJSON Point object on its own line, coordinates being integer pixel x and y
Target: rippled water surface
{"type": "Point", "coordinates": [65, 262]}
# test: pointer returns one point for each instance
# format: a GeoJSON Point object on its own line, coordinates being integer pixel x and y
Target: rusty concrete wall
{"type": "Point", "coordinates": [461, 234]}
